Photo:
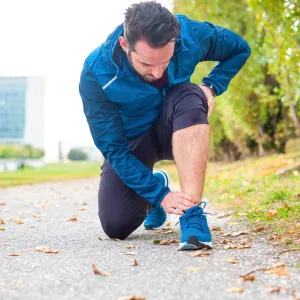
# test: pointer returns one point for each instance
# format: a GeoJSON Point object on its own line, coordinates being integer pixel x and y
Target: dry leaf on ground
{"type": "Point", "coordinates": [278, 269]}
{"type": "Point", "coordinates": [2, 203]}
{"type": "Point", "coordinates": [135, 263]}
{"type": "Point", "coordinates": [74, 219]}
{"type": "Point", "coordinates": [235, 290]}
{"type": "Point", "coordinates": [14, 254]}
{"type": "Point", "coordinates": [82, 208]}
{"type": "Point", "coordinates": [2, 228]}
{"type": "Point", "coordinates": [272, 289]}
{"type": "Point", "coordinates": [193, 269]}
{"type": "Point", "coordinates": [96, 271]}
{"type": "Point", "coordinates": [237, 246]}
{"type": "Point", "coordinates": [257, 229]}
{"type": "Point", "coordinates": [201, 252]}
{"type": "Point", "coordinates": [168, 242]}
{"type": "Point", "coordinates": [46, 249]}
{"type": "Point", "coordinates": [216, 229]}
{"type": "Point", "coordinates": [155, 241]}
{"type": "Point", "coordinates": [165, 231]}
{"type": "Point", "coordinates": [169, 224]}
{"type": "Point", "coordinates": [2, 221]}
{"type": "Point", "coordinates": [233, 260]}
{"type": "Point", "coordinates": [237, 233]}
{"type": "Point", "coordinates": [133, 297]}
{"type": "Point", "coordinates": [271, 213]}
{"type": "Point", "coordinates": [131, 246]}
{"type": "Point", "coordinates": [19, 222]}
{"type": "Point", "coordinates": [248, 277]}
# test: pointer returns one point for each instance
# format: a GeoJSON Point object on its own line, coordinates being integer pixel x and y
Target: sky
{"type": "Point", "coordinates": [52, 38]}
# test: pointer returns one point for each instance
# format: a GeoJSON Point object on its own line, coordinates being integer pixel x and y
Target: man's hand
{"type": "Point", "coordinates": [210, 99]}
{"type": "Point", "coordinates": [177, 202]}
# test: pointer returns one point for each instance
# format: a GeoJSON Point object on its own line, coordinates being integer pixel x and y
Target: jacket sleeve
{"type": "Point", "coordinates": [223, 45]}
{"type": "Point", "coordinates": [107, 130]}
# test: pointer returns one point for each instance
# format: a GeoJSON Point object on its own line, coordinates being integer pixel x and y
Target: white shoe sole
{"type": "Point", "coordinates": [200, 245]}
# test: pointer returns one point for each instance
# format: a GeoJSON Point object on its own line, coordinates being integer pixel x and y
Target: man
{"type": "Point", "coordinates": [141, 108]}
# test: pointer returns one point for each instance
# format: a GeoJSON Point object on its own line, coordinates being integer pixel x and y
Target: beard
{"type": "Point", "coordinates": [145, 77]}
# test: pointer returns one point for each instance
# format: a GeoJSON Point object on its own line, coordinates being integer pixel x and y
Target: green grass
{"type": "Point", "coordinates": [50, 172]}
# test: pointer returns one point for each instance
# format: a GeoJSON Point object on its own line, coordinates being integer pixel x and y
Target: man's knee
{"type": "Point", "coordinates": [186, 106]}
{"type": "Point", "coordinates": [116, 230]}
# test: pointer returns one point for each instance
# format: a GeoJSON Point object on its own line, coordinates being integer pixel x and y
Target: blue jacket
{"type": "Point", "coordinates": [118, 105]}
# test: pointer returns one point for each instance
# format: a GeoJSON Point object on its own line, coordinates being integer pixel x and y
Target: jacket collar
{"type": "Point", "coordinates": [124, 69]}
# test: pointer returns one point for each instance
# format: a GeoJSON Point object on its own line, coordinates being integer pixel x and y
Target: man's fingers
{"type": "Point", "coordinates": [175, 211]}
{"type": "Point", "coordinates": [187, 197]}
{"type": "Point", "coordinates": [184, 207]}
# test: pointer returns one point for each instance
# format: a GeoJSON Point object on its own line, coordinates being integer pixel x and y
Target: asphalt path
{"type": "Point", "coordinates": [62, 216]}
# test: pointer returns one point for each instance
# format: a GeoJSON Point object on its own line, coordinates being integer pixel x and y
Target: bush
{"type": "Point", "coordinates": [16, 151]}
{"type": "Point", "coordinates": [77, 154]}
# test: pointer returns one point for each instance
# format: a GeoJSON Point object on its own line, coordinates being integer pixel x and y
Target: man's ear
{"type": "Point", "coordinates": [123, 43]}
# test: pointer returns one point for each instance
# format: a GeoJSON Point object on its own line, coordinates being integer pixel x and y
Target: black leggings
{"type": "Point", "coordinates": [121, 210]}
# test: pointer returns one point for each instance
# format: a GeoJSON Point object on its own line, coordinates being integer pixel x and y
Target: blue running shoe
{"type": "Point", "coordinates": [156, 217]}
{"type": "Point", "coordinates": [195, 233]}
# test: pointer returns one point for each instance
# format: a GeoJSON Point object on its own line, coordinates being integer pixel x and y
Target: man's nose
{"type": "Point", "coordinates": [157, 72]}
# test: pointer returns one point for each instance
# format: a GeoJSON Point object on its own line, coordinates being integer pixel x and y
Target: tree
{"type": "Point", "coordinates": [77, 154]}
{"type": "Point", "coordinates": [254, 113]}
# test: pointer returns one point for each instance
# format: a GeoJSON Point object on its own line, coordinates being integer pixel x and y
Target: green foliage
{"type": "Point", "coordinates": [16, 151]}
{"type": "Point", "coordinates": [77, 154]}
{"type": "Point", "coordinates": [260, 111]}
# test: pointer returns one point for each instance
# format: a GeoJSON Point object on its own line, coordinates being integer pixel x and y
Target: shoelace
{"type": "Point", "coordinates": [198, 213]}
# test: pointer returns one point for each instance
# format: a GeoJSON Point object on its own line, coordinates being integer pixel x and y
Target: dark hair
{"type": "Point", "coordinates": [150, 21]}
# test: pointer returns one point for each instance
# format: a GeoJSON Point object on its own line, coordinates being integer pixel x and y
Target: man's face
{"type": "Point", "coordinates": [150, 63]}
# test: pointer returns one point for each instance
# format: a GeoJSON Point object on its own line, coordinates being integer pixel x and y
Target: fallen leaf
{"type": "Point", "coordinates": [216, 229]}
{"type": "Point", "coordinates": [248, 278]}
{"type": "Point", "coordinates": [168, 242]}
{"type": "Point", "coordinates": [259, 229]}
{"type": "Point", "coordinates": [201, 252]}
{"type": "Point", "coordinates": [237, 233]}
{"type": "Point", "coordinates": [235, 290]}
{"type": "Point", "coordinates": [2, 221]}
{"type": "Point", "coordinates": [82, 208]}
{"type": "Point", "coordinates": [19, 222]}
{"type": "Point", "coordinates": [233, 260]}
{"type": "Point", "coordinates": [165, 231]}
{"type": "Point", "coordinates": [2, 203]}
{"type": "Point", "coordinates": [291, 232]}
{"type": "Point", "coordinates": [131, 246]}
{"type": "Point", "coordinates": [275, 237]}
{"type": "Point", "coordinates": [271, 213]}
{"type": "Point", "coordinates": [46, 249]}
{"type": "Point", "coordinates": [2, 228]}
{"type": "Point", "coordinates": [133, 297]}
{"type": "Point", "coordinates": [130, 253]}
{"type": "Point", "coordinates": [226, 242]}
{"type": "Point", "coordinates": [96, 271]}
{"type": "Point", "coordinates": [168, 224]}
{"type": "Point", "coordinates": [193, 269]}
{"type": "Point", "coordinates": [278, 269]}
{"type": "Point", "coordinates": [237, 246]}
{"type": "Point", "coordinates": [100, 239]}
{"type": "Point", "coordinates": [135, 263]}
{"type": "Point", "coordinates": [272, 289]}
{"type": "Point", "coordinates": [74, 219]}
{"type": "Point", "coordinates": [115, 239]}
{"type": "Point", "coordinates": [14, 254]}
{"type": "Point", "coordinates": [155, 241]}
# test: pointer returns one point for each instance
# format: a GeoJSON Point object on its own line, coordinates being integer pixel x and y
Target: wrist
{"type": "Point", "coordinates": [211, 88]}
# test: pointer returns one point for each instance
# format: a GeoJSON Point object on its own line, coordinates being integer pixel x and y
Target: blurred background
{"type": "Point", "coordinates": [44, 44]}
